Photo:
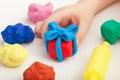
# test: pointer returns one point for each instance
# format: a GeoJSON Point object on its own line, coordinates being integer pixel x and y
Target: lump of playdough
{"type": "Point", "coordinates": [110, 31]}
{"type": "Point", "coordinates": [38, 12]}
{"type": "Point", "coordinates": [61, 42]}
{"type": "Point", "coordinates": [39, 71]}
{"type": "Point", "coordinates": [18, 33]}
{"type": "Point", "coordinates": [13, 55]}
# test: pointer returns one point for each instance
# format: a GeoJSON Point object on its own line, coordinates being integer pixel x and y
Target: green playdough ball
{"type": "Point", "coordinates": [110, 31]}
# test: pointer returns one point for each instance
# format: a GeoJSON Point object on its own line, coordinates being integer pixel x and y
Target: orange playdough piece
{"type": "Point", "coordinates": [39, 71]}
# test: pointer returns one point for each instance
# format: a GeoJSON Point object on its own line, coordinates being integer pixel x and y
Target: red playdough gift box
{"type": "Point", "coordinates": [61, 42]}
{"type": "Point", "coordinates": [66, 46]}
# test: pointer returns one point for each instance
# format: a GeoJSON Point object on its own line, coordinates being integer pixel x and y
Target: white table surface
{"type": "Point", "coordinates": [14, 11]}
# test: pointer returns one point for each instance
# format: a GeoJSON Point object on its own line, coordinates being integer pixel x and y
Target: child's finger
{"type": "Point", "coordinates": [38, 29]}
{"type": "Point", "coordinates": [83, 29]}
{"type": "Point", "coordinates": [54, 17]}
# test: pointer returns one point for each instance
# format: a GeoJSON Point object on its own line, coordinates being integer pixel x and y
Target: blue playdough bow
{"type": "Point", "coordinates": [58, 33]}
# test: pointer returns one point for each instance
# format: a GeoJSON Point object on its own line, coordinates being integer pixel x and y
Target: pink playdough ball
{"type": "Point", "coordinates": [38, 12]}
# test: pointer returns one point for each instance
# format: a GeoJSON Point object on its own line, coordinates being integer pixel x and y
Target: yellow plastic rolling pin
{"type": "Point", "coordinates": [98, 63]}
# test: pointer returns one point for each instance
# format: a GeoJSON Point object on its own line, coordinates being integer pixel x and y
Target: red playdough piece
{"type": "Point", "coordinates": [66, 47]}
{"type": "Point", "coordinates": [39, 71]}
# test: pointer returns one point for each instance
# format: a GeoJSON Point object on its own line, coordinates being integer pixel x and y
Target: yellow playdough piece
{"type": "Point", "coordinates": [13, 55]}
{"type": "Point", "coordinates": [98, 63]}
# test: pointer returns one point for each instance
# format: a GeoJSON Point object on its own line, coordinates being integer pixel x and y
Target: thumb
{"type": "Point", "coordinates": [83, 29]}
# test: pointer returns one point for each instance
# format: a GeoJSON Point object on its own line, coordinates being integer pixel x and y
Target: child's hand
{"type": "Point", "coordinates": [80, 14]}
{"type": "Point", "coordinates": [77, 14]}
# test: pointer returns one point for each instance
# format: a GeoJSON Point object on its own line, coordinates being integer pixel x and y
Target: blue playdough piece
{"type": "Point", "coordinates": [58, 33]}
{"type": "Point", "coordinates": [18, 33]}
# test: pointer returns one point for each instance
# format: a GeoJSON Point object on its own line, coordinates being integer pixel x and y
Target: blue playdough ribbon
{"type": "Point", "coordinates": [18, 33]}
{"type": "Point", "coordinates": [58, 33]}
